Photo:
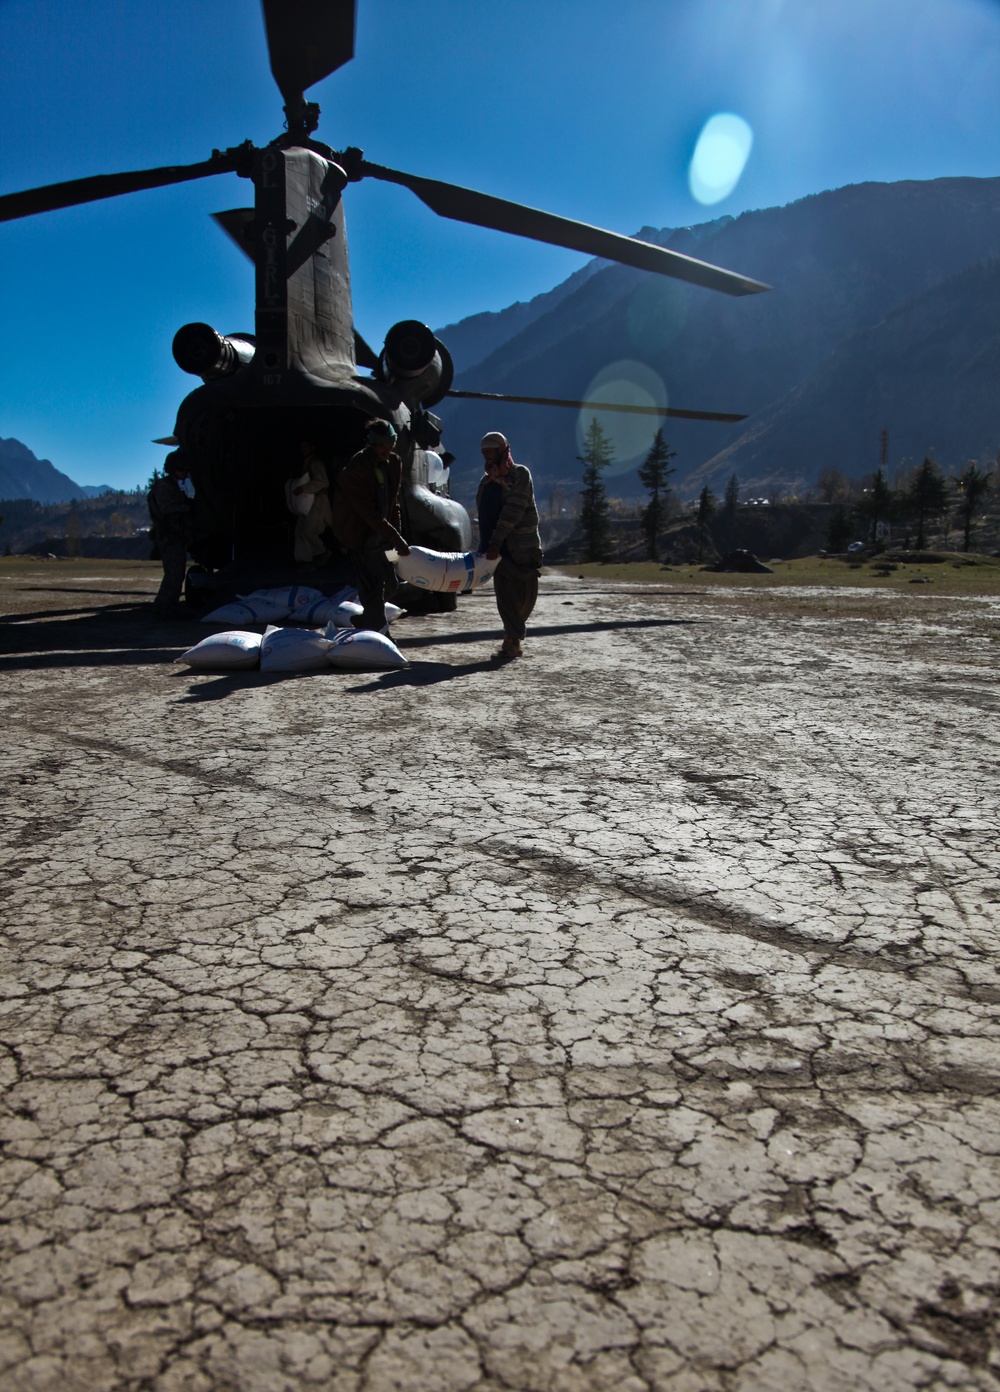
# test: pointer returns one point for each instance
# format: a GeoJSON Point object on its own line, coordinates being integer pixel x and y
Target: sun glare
{"type": "Point", "coordinates": [633, 384]}
{"type": "Point", "coordinates": [720, 157]}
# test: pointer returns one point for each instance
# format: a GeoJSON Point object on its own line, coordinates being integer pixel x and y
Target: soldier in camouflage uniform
{"type": "Point", "coordinates": [170, 514]}
{"type": "Point", "coordinates": [508, 530]}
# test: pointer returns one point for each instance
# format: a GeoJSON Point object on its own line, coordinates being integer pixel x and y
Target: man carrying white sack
{"type": "Point", "coordinates": [366, 520]}
{"type": "Point", "coordinates": [508, 529]}
{"type": "Point", "coordinates": [310, 526]}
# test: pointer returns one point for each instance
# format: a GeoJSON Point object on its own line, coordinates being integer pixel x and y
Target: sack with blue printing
{"type": "Point", "coordinates": [339, 612]}
{"type": "Point", "coordinates": [224, 652]}
{"type": "Point", "coordinates": [453, 572]}
{"type": "Point", "coordinates": [363, 652]}
{"type": "Point", "coordinates": [293, 650]}
{"type": "Point", "coordinates": [242, 611]}
{"type": "Point", "coordinates": [322, 609]}
{"type": "Point", "coordinates": [263, 606]}
{"type": "Point", "coordinates": [290, 597]}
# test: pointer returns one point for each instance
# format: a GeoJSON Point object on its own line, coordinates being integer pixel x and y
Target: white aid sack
{"type": "Point", "coordinates": [224, 652]}
{"type": "Point", "coordinates": [364, 652]}
{"type": "Point", "coordinates": [291, 597]}
{"type": "Point", "coordinates": [455, 572]}
{"type": "Point", "coordinates": [293, 650]}
{"type": "Point", "coordinates": [300, 505]}
{"type": "Point", "coordinates": [345, 614]}
{"type": "Point", "coordinates": [321, 610]}
{"type": "Point", "coordinates": [241, 611]}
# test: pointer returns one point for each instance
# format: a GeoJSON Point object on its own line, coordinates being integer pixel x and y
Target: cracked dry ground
{"type": "Point", "coordinates": [622, 1018]}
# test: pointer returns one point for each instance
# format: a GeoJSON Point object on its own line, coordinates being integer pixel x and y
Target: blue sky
{"type": "Point", "coordinates": [588, 108]}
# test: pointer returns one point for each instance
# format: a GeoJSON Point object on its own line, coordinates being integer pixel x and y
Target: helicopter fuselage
{"type": "Point", "coordinates": [297, 379]}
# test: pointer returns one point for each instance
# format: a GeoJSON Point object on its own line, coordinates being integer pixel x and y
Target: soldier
{"type": "Point", "coordinates": [170, 514]}
{"type": "Point", "coordinates": [508, 529]}
{"type": "Point", "coordinates": [367, 520]}
{"type": "Point", "coordinates": [310, 528]}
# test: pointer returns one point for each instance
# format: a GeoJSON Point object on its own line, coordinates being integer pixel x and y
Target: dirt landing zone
{"type": "Point", "coordinates": [620, 1018]}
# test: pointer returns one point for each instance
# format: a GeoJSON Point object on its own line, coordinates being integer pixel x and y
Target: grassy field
{"type": "Point", "coordinates": [32, 567]}
{"type": "Point", "coordinates": [953, 574]}
{"type": "Point", "coordinates": [30, 585]}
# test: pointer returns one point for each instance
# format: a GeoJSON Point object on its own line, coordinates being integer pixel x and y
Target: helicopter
{"type": "Point", "coordinates": [298, 375]}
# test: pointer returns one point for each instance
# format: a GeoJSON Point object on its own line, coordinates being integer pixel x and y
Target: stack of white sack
{"type": "Point", "coordinates": [224, 652]}
{"type": "Point", "coordinates": [456, 572]}
{"type": "Point", "coordinates": [265, 606]}
{"type": "Point", "coordinates": [295, 650]}
{"type": "Point", "coordinates": [306, 650]}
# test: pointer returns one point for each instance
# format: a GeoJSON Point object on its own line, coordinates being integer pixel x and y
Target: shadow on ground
{"type": "Point", "coordinates": [126, 635]}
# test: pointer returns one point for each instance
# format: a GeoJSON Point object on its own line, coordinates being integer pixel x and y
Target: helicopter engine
{"type": "Point", "coordinates": [204, 352]}
{"type": "Point", "coordinates": [419, 367]}
{"type": "Point", "coordinates": [416, 363]}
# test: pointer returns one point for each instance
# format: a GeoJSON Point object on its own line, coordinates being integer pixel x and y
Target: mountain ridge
{"type": "Point", "coordinates": [24, 475]}
{"type": "Point", "coordinates": [840, 262]}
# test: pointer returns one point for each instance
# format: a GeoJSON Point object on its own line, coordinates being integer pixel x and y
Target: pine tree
{"type": "Point", "coordinates": [74, 529]}
{"type": "Point", "coordinates": [927, 495]}
{"type": "Point", "coordinates": [838, 530]}
{"type": "Point", "coordinates": [598, 453]}
{"type": "Point", "coordinates": [653, 476]}
{"type": "Point", "coordinates": [973, 484]}
{"type": "Point", "coordinates": [706, 508]}
{"type": "Point", "coordinates": [730, 503]}
{"type": "Point", "coordinates": [877, 505]}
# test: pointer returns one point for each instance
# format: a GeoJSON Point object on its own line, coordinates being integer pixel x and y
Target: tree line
{"type": "Point", "coordinates": [25, 521]}
{"type": "Point", "coordinates": [654, 475]}
{"type": "Point", "coordinates": [920, 500]}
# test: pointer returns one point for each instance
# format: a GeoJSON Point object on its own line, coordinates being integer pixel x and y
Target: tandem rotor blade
{"type": "Point", "coordinates": [483, 210]}
{"type": "Point", "coordinates": [307, 40]}
{"type": "Point", "coordinates": [98, 186]}
{"type": "Point", "coordinates": [601, 406]}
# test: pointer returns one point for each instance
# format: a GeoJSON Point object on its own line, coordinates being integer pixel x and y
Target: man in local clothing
{"type": "Point", "coordinates": [310, 527]}
{"type": "Point", "coordinates": [367, 521]}
{"type": "Point", "coordinates": [508, 530]}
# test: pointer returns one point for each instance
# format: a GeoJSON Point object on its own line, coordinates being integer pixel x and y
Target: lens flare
{"type": "Point", "coordinates": [631, 384]}
{"type": "Point", "coordinates": [720, 157]}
